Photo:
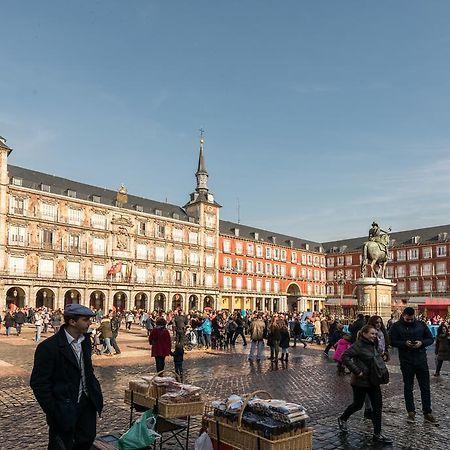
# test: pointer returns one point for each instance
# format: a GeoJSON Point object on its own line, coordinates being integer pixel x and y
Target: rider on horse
{"type": "Point", "coordinates": [379, 235]}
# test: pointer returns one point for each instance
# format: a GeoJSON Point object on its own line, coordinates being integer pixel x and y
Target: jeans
{"type": "Point", "coordinates": [179, 336]}
{"type": "Point", "coordinates": [205, 339]}
{"type": "Point", "coordinates": [179, 369]}
{"type": "Point", "coordinates": [38, 332]}
{"type": "Point", "coordinates": [114, 344]}
{"type": "Point", "coordinates": [18, 328]}
{"type": "Point", "coordinates": [8, 331]}
{"type": "Point", "coordinates": [275, 350]}
{"type": "Point", "coordinates": [257, 346]}
{"type": "Point", "coordinates": [107, 346]}
{"type": "Point", "coordinates": [421, 372]}
{"type": "Point", "coordinates": [359, 394]}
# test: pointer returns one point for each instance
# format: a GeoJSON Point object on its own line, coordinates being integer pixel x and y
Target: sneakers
{"type": "Point", "coordinates": [342, 425]}
{"type": "Point", "coordinates": [381, 439]}
{"type": "Point", "coordinates": [411, 417]}
{"type": "Point", "coordinates": [429, 418]}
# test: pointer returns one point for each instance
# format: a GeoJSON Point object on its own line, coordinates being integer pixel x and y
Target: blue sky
{"type": "Point", "coordinates": [320, 116]}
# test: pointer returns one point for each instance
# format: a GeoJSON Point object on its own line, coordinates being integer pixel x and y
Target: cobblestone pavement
{"type": "Point", "coordinates": [309, 378]}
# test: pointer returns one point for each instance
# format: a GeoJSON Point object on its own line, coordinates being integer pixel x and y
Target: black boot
{"type": "Point", "coordinates": [286, 357]}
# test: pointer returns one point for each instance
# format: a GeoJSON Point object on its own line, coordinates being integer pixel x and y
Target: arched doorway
{"type": "Point", "coordinates": [160, 300]}
{"type": "Point", "coordinates": [15, 296]}
{"type": "Point", "coordinates": [140, 301]}
{"type": "Point", "coordinates": [97, 300]}
{"type": "Point", "coordinates": [120, 301]}
{"type": "Point", "coordinates": [177, 302]}
{"type": "Point", "coordinates": [293, 293]}
{"type": "Point", "coordinates": [193, 303]}
{"type": "Point", "coordinates": [72, 296]}
{"type": "Point", "coordinates": [45, 298]}
{"type": "Point", "coordinates": [208, 302]}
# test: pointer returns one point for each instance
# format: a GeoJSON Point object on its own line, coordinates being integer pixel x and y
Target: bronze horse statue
{"type": "Point", "coordinates": [375, 254]}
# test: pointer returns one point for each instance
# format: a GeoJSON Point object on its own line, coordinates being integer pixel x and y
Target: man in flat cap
{"type": "Point", "coordinates": [64, 383]}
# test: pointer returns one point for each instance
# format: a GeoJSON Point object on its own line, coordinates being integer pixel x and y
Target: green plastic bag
{"type": "Point", "coordinates": [141, 434]}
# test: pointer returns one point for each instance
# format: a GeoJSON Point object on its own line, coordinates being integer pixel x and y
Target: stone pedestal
{"type": "Point", "coordinates": [374, 297]}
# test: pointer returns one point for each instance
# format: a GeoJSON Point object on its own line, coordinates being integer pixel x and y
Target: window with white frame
{"type": "Point", "coordinates": [322, 289]}
{"type": "Point", "coordinates": [227, 263]}
{"type": "Point", "coordinates": [250, 250]}
{"type": "Point", "coordinates": [389, 271]}
{"type": "Point", "coordinates": [441, 285]}
{"type": "Point", "coordinates": [259, 251]}
{"type": "Point", "coordinates": [414, 286]}
{"type": "Point", "coordinates": [413, 270]}
{"type": "Point", "coordinates": [348, 260]}
{"type": "Point", "coordinates": [268, 269]}
{"type": "Point", "coordinates": [141, 251]}
{"type": "Point", "coordinates": [193, 258]}
{"type": "Point", "coordinates": [73, 270]}
{"type": "Point", "coordinates": [16, 181]}
{"type": "Point", "coordinates": [193, 237]}
{"type": "Point", "coordinates": [209, 260]}
{"type": "Point", "coordinates": [427, 269]}
{"type": "Point", "coordinates": [267, 285]}
{"type": "Point", "coordinates": [330, 262]}
{"type": "Point", "coordinates": [98, 272]}
{"type": "Point", "coordinates": [98, 221]}
{"type": "Point", "coordinates": [177, 235]}
{"type": "Point", "coordinates": [47, 238]}
{"type": "Point", "coordinates": [17, 235]}
{"type": "Point", "coordinates": [258, 285]}
{"type": "Point", "coordinates": [75, 216]}
{"type": "Point", "coordinates": [239, 265]}
{"type": "Point", "coordinates": [160, 231]}
{"type": "Point", "coordinates": [239, 248]}
{"type": "Point", "coordinates": [249, 266]}
{"type": "Point", "coordinates": [441, 250]}
{"type": "Point", "coordinates": [294, 257]}
{"type": "Point", "coordinates": [276, 270]}
{"type": "Point", "coordinates": [283, 255]}
{"type": "Point", "coordinates": [303, 273]}
{"type": "Point", "coordinates": [160, 276]}
{"type": "Point", "coordinates": [322, 261]}
{"type": "Point", "coordinates": [226, 246]}
{"type": "Point", "coordinates": [45, 267]}
{"type": "Point", "coordinates": [427, 286]}
{"type": "Point", "coordinates": [238, 283]}
{"type": "Point", "coordinates": [210, 220]}
{"type": "Point", "coordinates": [276, 254]}
{"type": "Point", "coordinates": [401, 287]}
{"type": "Point", "coordinates": [316, 260]}
{"type": "Point", "coordinates": [414, 253]}
{"type": "Point", "coordinates": [268, 253]}
{"type": "Point", "coordinates": [48, 211]}
{"type": "Point", "coordinates": [401, 255]}
{"type": "Point", "coordinates": [309, 259]}
{"type": "Point", "coordinates": [17, 205]}
{"type": "Point", "coordinates": [441, 268]}
{"type": "Point", "coordinates": [323, 275]}
{"type": "Point", "coordinates": [98, 246]}
{"type": "Point", "coordinates": [227, 282]}
{"type": "Point", "coordinates": [276, 286]}
{"type": "Point", "coordinates": [349, 274]}
{"type": "Point", "coordinates": [17, 264]}
{"type": "Point", "coordinates": [259, 267]}
{"type": "Point", "coordinates": [142, 228]}
{"type": "Point", "coordinates": [316, 275]}
{"type": "Point", "coordinates": [330, 289]}
{"type": "Point", "coordinates": [178, 256]}
{"type": "Point", "coordinates": [427, 253]}
{"type": "Point", "coordinates": [316, 289]}
{"type": "Point", "coordinates": [141, 274]}
{"type": "Point", "coordinates": [309, 289]}
{"type": "Point", "coordinates": [209, 280]}
{"type": "Point", "coordinates": [249, 284]}
{"type": "Point", "coordinates": [283, 270]}
{"type": "Point", "coordinates": [160, 254]}
{"type": "Point", "coordinates": [401, 271]}
{"type": "Point", "coordinates": [310, 277]}
{"type": "Point", "coordinates": [303, 259]}
{"type": "Point", "coordinates": [340, 260]}
{"type": "Point", "coordinates": [210, 241]}
{"type": "Point", "coordinates": [74, 242]}
{"type": "Point", "coordinates": [293, 272]}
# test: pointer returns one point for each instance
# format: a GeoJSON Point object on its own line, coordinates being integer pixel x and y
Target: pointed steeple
{"type": "Point", "coordinates": [202, 173]}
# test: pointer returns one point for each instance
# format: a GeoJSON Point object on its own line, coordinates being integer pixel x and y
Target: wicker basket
{"type": "Point", "coordinates": [139, 399]}
{"type": "Point", "coordinates": [173, 410]}
{"type": "Point", "coordinates": [233, 434]}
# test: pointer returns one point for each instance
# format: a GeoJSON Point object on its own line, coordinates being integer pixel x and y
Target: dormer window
{"type": "Point", "coordinates": [71, 193]}
{"type": "Point", "coordinates": [16, 181]}
{"type": "Point", "coordinates": [442, 236]}
{"type": "Point", "coordinates": [192, 219]}
{"type": "Point", "coordinates": [176, 216]}
{"type": "Point", "coordinates": [415, 239]}
{"type": "Point", "coordinates": [45, 187]}
{"type": "Point", "coordinates": [139, 208]}
{"type": "Point", "coordinates": [255, 235]}
{"type": "Point", "coordinates": [96, 198]}
{"type": "Point", "coordinates": [236, 232]}
{"type": "Point", "coordinates": [306, 246]}
{"type": "Point", "coordinates": [158, 212]}
{"type": "Point", "coordinates": [290, 242]}
{"type": "Point", "coordinates": [343, 248]}
{"type": "Point", "coordinates": [273, 239]}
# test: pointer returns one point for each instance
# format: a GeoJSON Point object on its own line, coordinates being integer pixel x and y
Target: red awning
{"type": "Point", "coordinates": [437, 301]}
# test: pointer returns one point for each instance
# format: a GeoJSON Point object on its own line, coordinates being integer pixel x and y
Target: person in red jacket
{"type": "Point", "coordinates": [161, 343]}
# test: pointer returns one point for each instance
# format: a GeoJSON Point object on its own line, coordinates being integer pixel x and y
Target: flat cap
{"type": "Point", "coordinates": [74, 309]}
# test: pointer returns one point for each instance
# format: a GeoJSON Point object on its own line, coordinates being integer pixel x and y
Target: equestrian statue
{"type": "Point", "coordinates": [375, 252]}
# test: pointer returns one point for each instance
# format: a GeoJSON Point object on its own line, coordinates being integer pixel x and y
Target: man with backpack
{"type": "Point", "coordinates": [257, 333]}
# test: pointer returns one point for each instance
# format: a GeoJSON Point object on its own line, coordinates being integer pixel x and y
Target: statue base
{"type": "Point", "coordinates": [375, 297]}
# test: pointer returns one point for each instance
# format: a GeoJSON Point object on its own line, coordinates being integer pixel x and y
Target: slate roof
{"type": "Point", "coordinates": [3, 144]}
{"type": "Point", "coordinates": [33, 180]}
{"type": "Point", "coordinates": [401, 238]}
{"type": "Point", "coordinates": [247, 232]}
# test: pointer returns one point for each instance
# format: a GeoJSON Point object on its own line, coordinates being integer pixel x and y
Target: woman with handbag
{"type": "Point", "coordinates": [368, 372]}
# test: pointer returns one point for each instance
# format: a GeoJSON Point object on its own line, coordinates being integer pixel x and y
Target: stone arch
{"type": "Point", "coordinates": [97, 300]}
{"type": "Point", "coordinates": [45, 297]}
{"type": "Point", "coordinates": [72, 296]}
{"type": "Point", "coordinates": [193, 303]}
{"type": "Point", "coordinates": [160, 302]}
{"type": "Point", "coordinates": [15, 296]}
{"type": "Point", "coordinates": [177, 302]}
{"type": "Point", "coordinates": [140, 301]}
{"type": "Point", "coordinates": [208, 302]}
{"type": "Point", "coordinates": [120, 301]}
{"type": "Point", "coordinates": [293, 293]}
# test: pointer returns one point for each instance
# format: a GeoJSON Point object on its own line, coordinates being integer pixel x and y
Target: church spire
{"type": "Point", "coordinates": [202, 173]}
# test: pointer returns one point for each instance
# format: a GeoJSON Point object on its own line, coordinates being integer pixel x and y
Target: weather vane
{"type": "Point", "coordinates": [201, 132]}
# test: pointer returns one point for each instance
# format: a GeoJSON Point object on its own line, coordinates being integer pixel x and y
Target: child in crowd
{"type": "Point", "coordinates": [178, 356]}
{"type": "Point", "coordinates": [343, 344]}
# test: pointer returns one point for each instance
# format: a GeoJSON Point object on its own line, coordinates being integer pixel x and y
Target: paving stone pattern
{"type": "Point", "coordinates": [309, 378]}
